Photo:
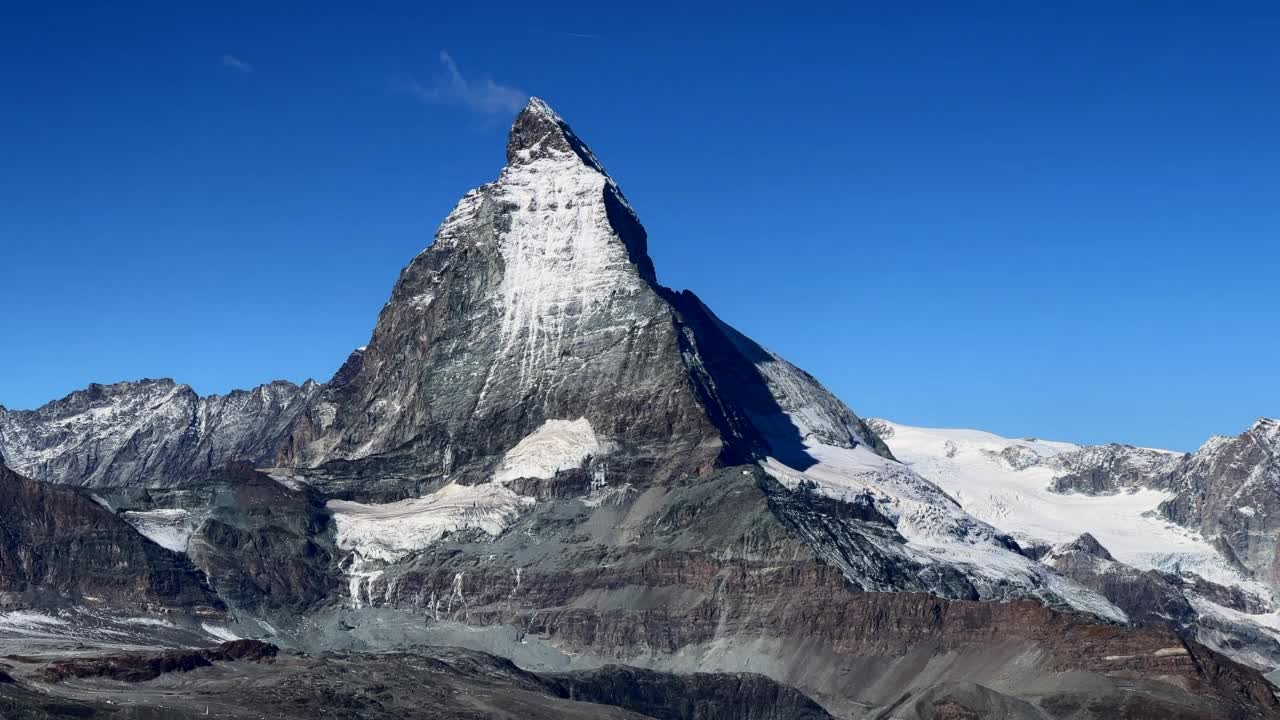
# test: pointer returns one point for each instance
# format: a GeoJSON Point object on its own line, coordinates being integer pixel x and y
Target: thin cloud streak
{"type": "Point", "coordinates": [236, 63]}
{"type": "Point", "coordinates": [482, 95]}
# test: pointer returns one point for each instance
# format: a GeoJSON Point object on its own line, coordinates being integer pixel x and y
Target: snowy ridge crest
{"type": "Point", "coordinates": [148, 431]}
{"type": "Point", "coordinates": [936, 528]}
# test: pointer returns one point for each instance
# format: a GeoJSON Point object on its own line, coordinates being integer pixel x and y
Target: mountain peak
{"type": "Point", "coordinates": [1088, 545]}
{"type": "Point", "coordinates": [539, 106]}
{"type": "Point", "coordinates": [539, 133]}
{"type": "Point", "coordinates": [1266, 432]}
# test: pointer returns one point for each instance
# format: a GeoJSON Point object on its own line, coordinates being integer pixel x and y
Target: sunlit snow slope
{"type": "Point", "coordinates": [935, 528]}
{"type": "Point", "coordinates": [1006, 483]}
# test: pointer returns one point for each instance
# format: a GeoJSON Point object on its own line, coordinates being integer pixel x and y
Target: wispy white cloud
{"type": "Point", "coordinates": [481, 95]}
{"type": "Point", "coordinates": [582, 35]}
{"type": "Point", "coordinates": [236, 63]}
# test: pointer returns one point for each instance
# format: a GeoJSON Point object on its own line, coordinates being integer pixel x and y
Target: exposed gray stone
{"type": "Point", "coordinates": [149, 433]}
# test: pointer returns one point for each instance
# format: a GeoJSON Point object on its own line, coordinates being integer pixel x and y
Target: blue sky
{"type": "Point", "coordinates": [1049, 221]}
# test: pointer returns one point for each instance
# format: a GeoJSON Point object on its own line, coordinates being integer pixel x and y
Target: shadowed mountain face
{"type": "Point", "coordinates": [544, 454]}
{"type": "Point", "coordinates": [266, 546]}
{"type": "Point", "coordinates": [58, 545]}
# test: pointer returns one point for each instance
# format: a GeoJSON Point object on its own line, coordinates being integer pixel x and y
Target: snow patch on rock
{"type": "Point", "coordinates": [149, 622]}
{"type": "Point", "coordinates": [170, 528]}
{"type": "Point", "coordinates": [218, 632]}
{"type": "Point", "coordinates": [1213, 616]}
{"type": "Point", "coordinates": [563, 262]}
{"type": "Point", "coordinates": [390, 531]}
{"type": "Point", "coordinates": [556, 445]}
{"type": "Point", "coordinates": [26, 622]}
{"type": "Point", "coordinates": [377, 535]}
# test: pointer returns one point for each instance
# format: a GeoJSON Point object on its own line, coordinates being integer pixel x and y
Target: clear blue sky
{"type": "Point", "coordinates": [1060, 222]}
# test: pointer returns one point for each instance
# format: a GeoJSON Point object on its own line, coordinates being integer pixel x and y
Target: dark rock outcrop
{"type": "Point", "coordinates": [1159, 599]}
{"type": "Point", "coordinates": [265, 545]}
{"type": "Point", "coordinates": [455, 684]}
{"type": "Point", "coordinates": [435, 684]}
{"type": "Point", "coordinates": [1111, 468]}
{"type": "Point", "coordinates": [140, 667]}
{"type": "Point", "coordinates": [1086, 544]}
{"type": "Point", "coordinates": [696, 696]}
{"type": "Point", "coordinates": [1147, 597]}
{"type": "Point", "coordinates": [961, 701]}
{"type": "Point", "coordinates": [56, 541]}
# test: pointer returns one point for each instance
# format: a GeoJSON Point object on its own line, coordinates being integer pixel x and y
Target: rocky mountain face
{"type": "Point", "coordinates": [529, 355]}
{"type": "Point", "coordinates": [1230, 489]}
{"type": "Point", "coordinates": [731, 572]}
{"type": "Point", "coordinates": [149, 433]}
{"type": "Point", "coordinates": [538, 302]}
{"type": "Point", "coordinates": [544, 454]}
{"type": "Point", "coordinates": [1184, 603]}
{"type": "Point", "coordinates": [58, 546]}
{"type": "Point", "coordinates": [1104, 469]}
{"type": "Point", "coordinates": [266, 546]}
{"type": "Point", "coordinates": [1227, 489]}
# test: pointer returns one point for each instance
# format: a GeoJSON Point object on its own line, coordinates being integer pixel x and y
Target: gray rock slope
{"type": "Point", "coordinates": [58, 546]}
{"type": "Point", "coordinates": [149, 433]}
{"type": "Point", "coordinates": [1230, 489]}
{"type": "Point", "coordinates": [1156, 598]}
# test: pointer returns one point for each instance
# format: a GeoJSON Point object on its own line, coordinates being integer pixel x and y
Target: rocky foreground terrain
{"type": "Point", "coordinates": [249, 678]}
{"type": "Point", "coordinates": [551, 487]}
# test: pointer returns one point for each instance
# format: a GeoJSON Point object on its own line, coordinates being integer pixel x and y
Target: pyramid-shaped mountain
{"type": "Point", "coordinates": [544, 454]}
{"type": "Point", "coordinates": [537, 305]}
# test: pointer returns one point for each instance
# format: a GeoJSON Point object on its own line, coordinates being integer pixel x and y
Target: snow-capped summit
{"type": "Point", "coordinates": [1266, 430]}
{"type": "Point", "coordinates": [538, 303]}
{"type": "Point", "coordinates": [539, 133]}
